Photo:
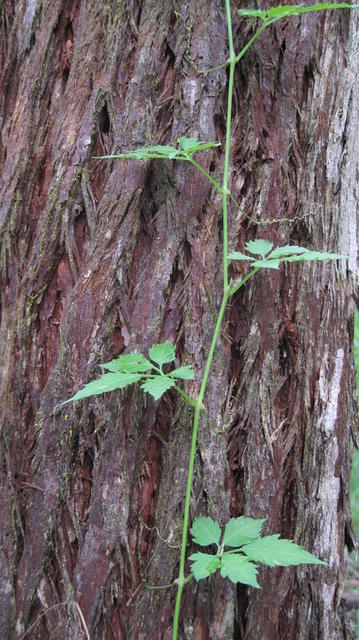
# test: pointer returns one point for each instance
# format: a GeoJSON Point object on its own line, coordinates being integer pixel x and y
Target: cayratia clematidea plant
{"type": "Point", "coordinates": [237, 549]}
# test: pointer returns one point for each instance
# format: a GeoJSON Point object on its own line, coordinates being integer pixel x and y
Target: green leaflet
{"type": "Point", "coordinates": [187, 144]}
{"type": "Point", "coordinates": [191, 145]}
{"type": "Point", "coordinates": [185, 372]}
{"type": "Point", "coordinates": [259, 246]}
{"type": "Point", "coordinates": [296, 10]}
{"type": "Point", "coordinates": [158, 385]}
{"type": "Point", "coordinates": [203, 564]}
{"type": "Point", "coordinates": [107, 382]}
{"type": "Point", "coordinates": [205, 531]}
{"type": "Point", "coordinates": [129, 362]}
{"type": "Point", "coordinates": [162, 353]}
{"type": "Point", "coordinates": [241, 530]}
{"type": "Point", "coordinates": [154, 152]}
{"type": "Point", "coordinates": [278, 553]}
{"type": "Point", "coordinates": [237, 255]}
{"type": "Point", "coordinates": [287, 250]}
{"type": "Point", "coordinates": [238, 569]}
{"type": "Point", "coordinates": [164, 151]}
{"type": "Point", "coordinates": [315, 255]}
{"type": "Point", "coordinates": [266, 264]}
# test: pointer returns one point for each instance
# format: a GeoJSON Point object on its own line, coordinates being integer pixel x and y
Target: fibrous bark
{"type": "Point", "coordinates": [98, 257]}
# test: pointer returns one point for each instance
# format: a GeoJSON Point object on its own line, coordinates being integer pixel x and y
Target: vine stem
{"type": "Point", "coordinates": [226, 294]}
{"type": "Point", "coordinates": [229, 289]}
{"type": "Point", "coordinates": [236, 286]}
{"type": "Point", "coordinates": [181, 580]}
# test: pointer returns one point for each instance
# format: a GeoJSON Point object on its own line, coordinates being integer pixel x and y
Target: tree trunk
{"type": "Point", "coordinates": [98, 257]}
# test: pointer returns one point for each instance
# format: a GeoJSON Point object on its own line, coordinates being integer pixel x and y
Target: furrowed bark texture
{"type": "Point", "coordinates": [98, 257]}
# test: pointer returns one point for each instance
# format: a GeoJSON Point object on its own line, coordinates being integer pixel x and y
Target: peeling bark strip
{"type": "Point", "coordinates": [97, 257]}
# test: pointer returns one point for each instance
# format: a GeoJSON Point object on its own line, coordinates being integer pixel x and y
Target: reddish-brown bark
{"type": "Point", "coordinates": [98, 257]}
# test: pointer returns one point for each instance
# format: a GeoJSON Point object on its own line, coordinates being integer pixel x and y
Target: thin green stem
{"type": "Point", "coordinates": [189, 577]}
{"type": "Point", "coordinates": [186, 396]}
{"type": "Point", "coordinates": [218, 68]}
{"type": "Point", "coordinates": [181, 578]}
{"type": "Point", "coordinates": [229, 30]}
{"type": "Point", "coordinates": [177, 611]}
{"type": "Point", "coordinates": [212, 348]}
{"type": "Point", "coordinates": [227, 62]}
{"type": "Point", "coordinates": [155, 587]}
{"type": "Point", "coordinates": [194, 163]}
{"type": "Point", "coordinates": [238, 285]}
{"type": "Point", "coordinates": [217, 329]}
{"type": "Point", "coordinates": [217, 186]}
{"type": "Point", "coordinates": [191, 401]}
{"type": "Point", "coordinates": [210, 179]}
{"type": "Point", "coordinates": [253, 39]}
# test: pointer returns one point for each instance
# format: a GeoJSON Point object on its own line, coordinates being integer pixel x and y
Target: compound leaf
{"type": "Point", "coordinates": [287, 253]}
{"type": "Point", "coordinates": [237, 568]}
{"type": "Point", "coordinates": [107, 382]}
{"type": "Point", "coordinates": [129, 362]}
{"type": "Point", "coordinates": [203, 564]}
{"type": "Point", "coordinates": [185, 372]}
{"type": "Point", "coordinates": [259, 247]}
{"type": "Point", "coordinates": [281, 11]}
{"type": "Point", "coordinates": [162, 353]}
{"type": "Point", "coordinates": [205, 531]}
{"type": "Point", "coordinates": [278, 553]}
{"type": "Point", "coordinates": [241, 530]}
{"type": "Point", "coordinates": [157, 386]}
